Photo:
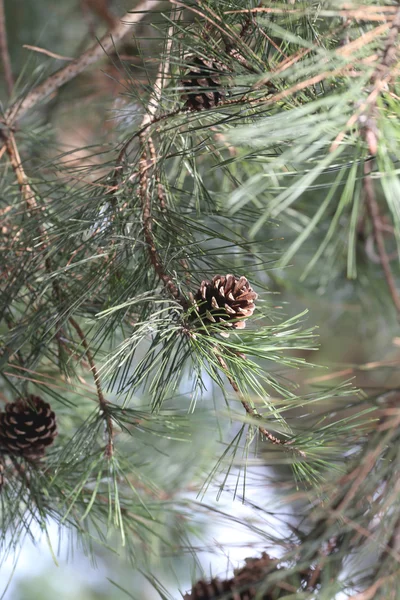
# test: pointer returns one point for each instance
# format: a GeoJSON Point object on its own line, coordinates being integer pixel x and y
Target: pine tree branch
{"type": "Point", "coordinates": [32, 205]}
{"type": "Point", "coordinates": [4, 53]}
{"type": "Point", "coordinates": [389, 52]}
{"type": "Point", "coordinates": [226, 31]}
{"type": "Point", "coordinates": [152, 109]}
{"type": "Point", "coordinates": [102, 401]}
{"type": "Point", "coordinates": [251, 411]}
{"type": "Point", "coordinates": [147, 146]}
{"type": "Point", "coordinates": [370, 13]}
{"type": "Point", "coordinates": [92, 55]}
{"type": "Point", "coordinates": [47, 52]}
{"type": "Point", "coordinates": [160, 188]}
{"type": "Point", "coordinates": [373, 211]}
{"type": "Point", "coordinates": [16, 165]}
{"type": "Point", "coordinates": [148, 225]}
{"type": "Point", "coordinates": [379, 79]}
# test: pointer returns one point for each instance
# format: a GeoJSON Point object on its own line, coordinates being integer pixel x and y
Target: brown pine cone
{"type": "Point", "coordinates": [208, 591]}
{"type": "Point", "coordinates": [202, 85]}
{"type": "Point", "coordinates": [225, 299]}
{"type": "Point", "coordinates": [248, 583]}
{"type": "Point", "coordinates": [27, 427]}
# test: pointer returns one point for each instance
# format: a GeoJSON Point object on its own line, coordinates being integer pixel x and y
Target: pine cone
{"type": "Point", "coordinates": [208, 591]}
{"type": "Point", "coordinates": [202, 85]}
{"type": "Point", "coordinates": [247, 583]}
{"type": "Point", "coordinates": [27, 427]}
{"type": "Point", "coordinates": [225, 299]}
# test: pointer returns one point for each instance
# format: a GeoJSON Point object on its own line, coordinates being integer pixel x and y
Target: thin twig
{"type": "Point", "coordinates": [373, 211]}
{"type": "Point", "coordinates": [47, 52]}
{"type": "Point", "coordinates": [147, 147]}
{"type": "Point", "coordinates": [102, 401]}
{"type": "Point", "coordinates": [5, 55]}
{"type": "Point", "coordinates": [216, 21]}
{"type": "Point", "coordinates": [364, 13]}
{"type": "Point", "coordinates": [250, 410]}
{"type": "Point", "coordinates": [160, 187]}
{"type": "Point", "coordinates": [148, 225]}
{"type": "Point", "coordinates": [149, 117]}
{"type": "Point", "coordinates": [15, 160]}
{"type": "Point", "coordinates": [92, 55]}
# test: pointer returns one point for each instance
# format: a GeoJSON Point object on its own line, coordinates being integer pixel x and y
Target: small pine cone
{"type": "Point", "coordinates": [248, 583]}
{"type": "Point", "coordinates": [27, 427]}
{"type": "Point", "coordinates": [252, 575]}
{"type": "Point", "coordinates": [210, 591]}
{"type": "Point", "coordinates": [203, 88]}
{"type": "Point", "coordinates": [225, 299]}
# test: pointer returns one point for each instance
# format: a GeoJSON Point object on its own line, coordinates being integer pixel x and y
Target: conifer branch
{"type": "Point", "coordinates": [148, 225]}
{"type": "Point", "coordinates": [4, 53]}
{"type": "Point", "coordinates": [102, 401]}
{"type": "Point", "coordinates": [92, 55]}
{"type": "Point", "coordinates": [47, 52]}
{"type": "Point", "coordinates": [379, 79]}
{"type": "Point", "coordinates": [251, 411]}
{"type": "Point", "coordinates": [147, 148]}
{"type": "Point", "coordinates": [16, 165]}
{"type": "Point", "coordinates": [373, 211]}
{"type": "Point", "coordinates": [32, 205]}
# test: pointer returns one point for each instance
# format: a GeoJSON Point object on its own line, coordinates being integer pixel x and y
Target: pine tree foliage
{"type": "Point", "coordinates": [291, 122]}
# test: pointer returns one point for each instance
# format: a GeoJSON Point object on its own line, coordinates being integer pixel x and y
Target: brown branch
{"type": "Point", "coordinates": [373, 211]}
{"type": "Point", "coordinates": [92, 55]}
{"type": "Point", "coordinates": [16, 165]}
{"type": "Point", "coordinates": [367, 115]}
{"type": "Point", "coordinates": [251, 411]}
{"type": "Point", "coordinates": [47, 52]}
{"type": "Point", "coordinates": [160, 187]}
{"type": "Point", "coordinates": [148, 225]}
{"type": "Point", "coordinates": [379, 79]}
{"type": "Point", "coordinates": [148, 148]}
{"type": "Point", "coordinates": [102, 401]}
{"type": "Point", "coordinates": [389, 53]}
{"type": "Point", "coordinates": [148, 120]}
{"type": "Point", "coordinates": [364, 13]}
{"type": "Point", "coordinates": [5, 55]}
